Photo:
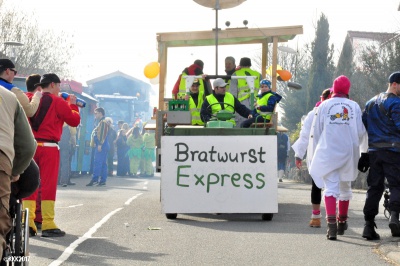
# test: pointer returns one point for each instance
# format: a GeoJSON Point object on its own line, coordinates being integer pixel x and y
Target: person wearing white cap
{"type": "Point", "coordinates": [227, 102]}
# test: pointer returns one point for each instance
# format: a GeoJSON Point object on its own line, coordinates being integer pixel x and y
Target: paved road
{"type": "Point", "coordinates": [122, 224]}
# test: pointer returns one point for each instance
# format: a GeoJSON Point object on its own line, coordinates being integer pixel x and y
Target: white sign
{"type": "Point", "coordinates": [219, 174]}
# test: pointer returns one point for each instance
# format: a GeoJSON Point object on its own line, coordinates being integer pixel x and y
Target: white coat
{"type": "Point", "coordinates": [338, 137]}
{"type": "Point", "coordinates": [301, 144]}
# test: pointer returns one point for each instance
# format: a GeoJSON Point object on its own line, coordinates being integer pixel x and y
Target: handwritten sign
{"type": "Point", "coordinates": [219, 174]}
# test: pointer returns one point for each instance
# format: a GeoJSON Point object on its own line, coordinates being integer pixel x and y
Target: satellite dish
{"type": "Point", "coordinates": [219, 4]}
{"type": "Point", "coordinates": [286, 49]}
{"type": "Point", "coordinates": [294, 85]}
{"type": "Point", "coordinates": [12, 43]}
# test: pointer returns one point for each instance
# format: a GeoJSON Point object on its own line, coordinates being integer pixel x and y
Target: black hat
{"type": "Point", "coordinates": [245, 61]}
{"type": "Point", "coordinates": [48, 78]}
{"type": "Point", "coordinates": [6, 63]}
{"type": "Point", "coordinates": [199, 63]}
{"type": "Point", "coordinates": [394, 77]}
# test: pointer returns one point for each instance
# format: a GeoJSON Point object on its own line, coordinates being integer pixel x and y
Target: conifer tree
{"type": "Point", "coordinates": [322, 68]}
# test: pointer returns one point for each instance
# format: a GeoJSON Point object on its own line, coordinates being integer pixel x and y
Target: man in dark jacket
{"type": "Point", "coordinates": [381, 118]}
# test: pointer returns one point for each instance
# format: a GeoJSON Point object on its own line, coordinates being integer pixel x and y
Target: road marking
{"type": "Point", "coordinates": [72, 206]}
{"type": "Point", "coordinates": [131, 199]}
{"type": "Point", "coordinates": [71, 248]}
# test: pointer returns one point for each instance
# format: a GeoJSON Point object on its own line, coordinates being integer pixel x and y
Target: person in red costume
{"type": "Point", "coordinates": [32, 85]}
{"type": "Point", "coordinates": [32, 82]}
{"type": "Point", "coordinates": [46, 126]}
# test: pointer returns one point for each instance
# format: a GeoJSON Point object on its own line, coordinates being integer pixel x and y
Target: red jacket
{"type": "Point", "coordinates": [191, 70]}
{"type": "Point", "coordinates": [49, 119]}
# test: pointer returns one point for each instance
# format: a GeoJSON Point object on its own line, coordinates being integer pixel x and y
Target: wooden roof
{"type": "Point", "coordinates": [229, 36]}
{"type": "Point", "coordinates": [244, 35]}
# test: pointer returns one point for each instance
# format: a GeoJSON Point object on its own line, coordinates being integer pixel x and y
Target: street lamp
{"type": "Point", "coordinates": [13, 52]}
{"type": "Point", "coordinates": [217, 5]}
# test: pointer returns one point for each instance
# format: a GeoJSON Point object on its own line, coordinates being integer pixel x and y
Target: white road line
{"type": "Point", "coordinates": [131, 199]}
{"type": "Point", "coordinates": [72, 206]}
{"type": "Point", "coordinates": [71, 248]}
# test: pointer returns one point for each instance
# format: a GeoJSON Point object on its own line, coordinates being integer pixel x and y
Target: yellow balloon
{"type": "Point", "coordinates": [151, 70]}
{"type": "Point", "coordinates": [269, 70]}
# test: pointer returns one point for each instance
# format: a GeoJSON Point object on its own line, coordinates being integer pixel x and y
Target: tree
{"type": "Point", "coordinates": [322, 67]}
{"type": "Point", "coordinates": [42, 52]}
{"type": "Point", "coordinates": [377, 62]}
{"type": "Point", "coordinates": [345, 63]}
{"type": "Point", "coordinates": [294, 101]}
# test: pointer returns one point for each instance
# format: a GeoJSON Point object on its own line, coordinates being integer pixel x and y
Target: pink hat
{"type": "Point", "coordinates": [341, 85]}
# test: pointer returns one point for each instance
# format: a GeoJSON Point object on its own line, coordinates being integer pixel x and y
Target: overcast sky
{"type": "Point", "coordinates": [121, 34]}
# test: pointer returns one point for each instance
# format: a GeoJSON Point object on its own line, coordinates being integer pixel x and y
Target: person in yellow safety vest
{"type": "Point", "coordinates": [196, 100]}
{"type": "Point", "coordinates": [196, 69]}
{"type": "Point", "coordinates": [239, 87]}
{"type": "Point", "coordinates": [265, 104]}
{"type": "Point", "coordinates": [230, 68]}
{"type": "Point", "coordinates": [221, 96]}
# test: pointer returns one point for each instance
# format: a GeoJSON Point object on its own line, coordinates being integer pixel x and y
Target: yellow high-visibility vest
{"type": "Point", "coordinates": [229, 99]}
{"type": "Point", "coordinates": [264, 101]}
{"type": "Point", "coordinates": [195, 110]}
{"type": "Point", "coordinates": [182, 87]}
{"type": "Point", "coordinates": [243, 87]}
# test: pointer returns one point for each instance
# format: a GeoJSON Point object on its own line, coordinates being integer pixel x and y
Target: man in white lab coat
{"type": "Point", "coordinates": [300, 148]}
{"type": "Point", "coordinates": [337, 136]}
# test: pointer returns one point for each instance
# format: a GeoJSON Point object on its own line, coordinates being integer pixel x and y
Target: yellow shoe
{"type": "Point", "coordinates": [315, 222]}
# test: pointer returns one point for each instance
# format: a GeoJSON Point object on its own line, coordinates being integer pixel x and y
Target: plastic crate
{"type": "Point", "coordinates": [178, 105]}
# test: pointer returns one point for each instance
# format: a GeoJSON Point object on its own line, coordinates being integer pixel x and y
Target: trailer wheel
{"type": "Point", "coordinates": [267, 216]}
{"type": "Point", "coordinates": [171, 216]}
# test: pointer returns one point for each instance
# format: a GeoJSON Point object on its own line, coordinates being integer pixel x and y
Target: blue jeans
{"type": "Point", "coordinates": [100, 165]}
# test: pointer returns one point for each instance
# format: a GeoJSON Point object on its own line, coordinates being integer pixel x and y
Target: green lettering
{"type": "Point", "coordinates": [211, 183]}
{"type": "Point", "coordinates": [261, 180]}
{"type": "Point", "coordinates": [249, 184]}
{"type": "Point", "coordinates": [179, 175]}
{"type": "Point", "coordinates": [199, 179]}
{"type": "Point", "coordinates": [234, 179]}
{"type": "Point", "coordinates": [223, 179]}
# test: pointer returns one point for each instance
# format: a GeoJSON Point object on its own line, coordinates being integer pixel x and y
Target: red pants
{"type": "Point", "coordinates": [48, 160]}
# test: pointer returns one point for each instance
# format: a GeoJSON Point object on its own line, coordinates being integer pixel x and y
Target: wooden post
{"type": "Point", "coordinates": [274, 61]}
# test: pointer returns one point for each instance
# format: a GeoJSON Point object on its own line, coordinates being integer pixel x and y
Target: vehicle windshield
{"type": "Point", "coordinates": [118, 110]}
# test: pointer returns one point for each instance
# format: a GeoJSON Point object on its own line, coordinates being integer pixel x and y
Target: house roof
{"type": "Point", "coordinates": [375, 36]}
{"type": "Point", "coordinates": [112, 75]}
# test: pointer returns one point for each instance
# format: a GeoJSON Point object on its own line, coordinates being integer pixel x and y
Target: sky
{"type": "Point", "coordinates": [121, 34]}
